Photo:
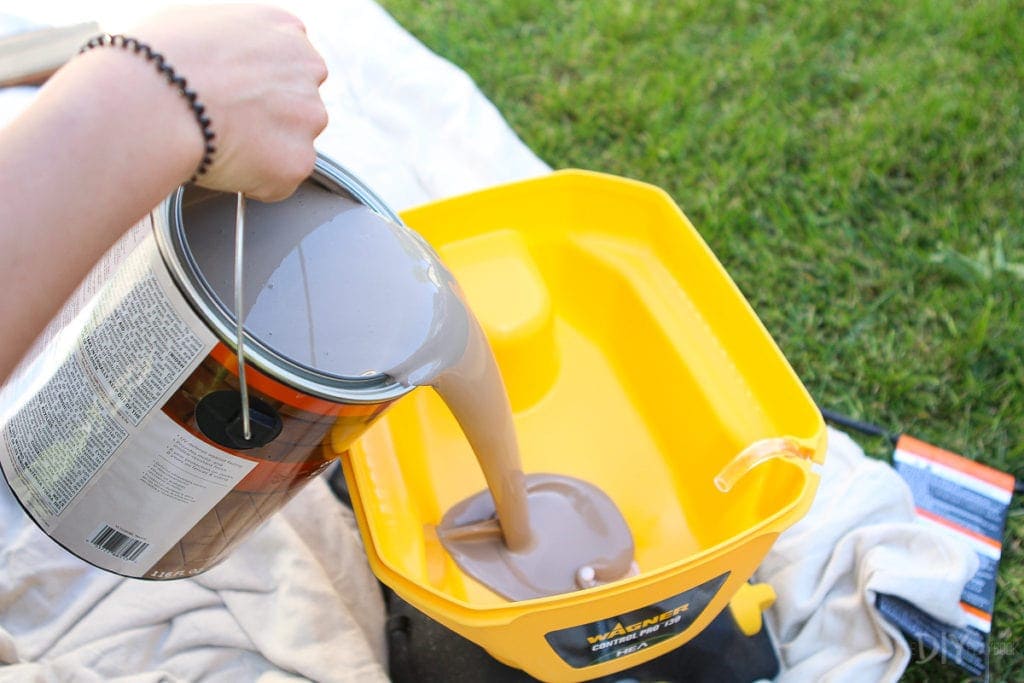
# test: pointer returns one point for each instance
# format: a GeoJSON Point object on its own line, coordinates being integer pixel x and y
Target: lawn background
{"type": "Point", "coordinates": [858, 167]}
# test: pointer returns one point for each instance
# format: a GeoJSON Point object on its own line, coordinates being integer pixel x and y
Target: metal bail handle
{"type": "Point", "coordinates": [243, 387]}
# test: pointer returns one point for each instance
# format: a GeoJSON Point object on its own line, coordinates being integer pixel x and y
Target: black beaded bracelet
{"type": "Point", "coordinates": [165, 69]}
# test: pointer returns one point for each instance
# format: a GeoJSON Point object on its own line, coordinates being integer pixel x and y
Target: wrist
{"type": "Point", "coordinates": [163, 68]}
{"type": "Point", "coordinates": [158, 125]}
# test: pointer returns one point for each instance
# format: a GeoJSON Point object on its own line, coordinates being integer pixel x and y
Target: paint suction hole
{"type": "Point", "coordinates": [219, 417]}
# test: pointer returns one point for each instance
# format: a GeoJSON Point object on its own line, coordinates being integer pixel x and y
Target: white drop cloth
{"type": "Point", "coordinates": [297, 601]}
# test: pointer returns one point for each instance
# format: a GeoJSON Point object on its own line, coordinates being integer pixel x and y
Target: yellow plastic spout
{"type": "Point", "coordinates": [757, 453]}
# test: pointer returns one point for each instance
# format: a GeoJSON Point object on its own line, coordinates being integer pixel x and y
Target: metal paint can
{"type": "Point", "coordinates": [119, 431]}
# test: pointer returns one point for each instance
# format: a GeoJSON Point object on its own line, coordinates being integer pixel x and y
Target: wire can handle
{"type": "Point", "coordinates": [243, 386]}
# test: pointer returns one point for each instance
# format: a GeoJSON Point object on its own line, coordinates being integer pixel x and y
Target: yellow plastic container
{"type": "Point", "coordinates": [632, 361]}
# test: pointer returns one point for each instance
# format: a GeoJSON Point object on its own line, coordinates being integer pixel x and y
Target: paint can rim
{"type": "Point", "coordinates": [168, 228]}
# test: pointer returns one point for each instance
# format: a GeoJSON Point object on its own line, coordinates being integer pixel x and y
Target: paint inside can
{"type": "Point", "coordinates": [329, 284]}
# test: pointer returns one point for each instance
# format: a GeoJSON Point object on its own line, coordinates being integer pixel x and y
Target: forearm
{"type": "Point", "coordinates": [105, 141]}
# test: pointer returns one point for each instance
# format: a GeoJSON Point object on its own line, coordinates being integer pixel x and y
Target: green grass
{"type": "Point", "coordinates": [857, 166]}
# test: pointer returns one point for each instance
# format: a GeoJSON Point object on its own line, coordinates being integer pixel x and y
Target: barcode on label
{"type": "Point", "coordinates": [121, 546]}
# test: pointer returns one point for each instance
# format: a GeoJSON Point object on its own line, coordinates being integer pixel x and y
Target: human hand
{"type": "Point", "coordinates": [257, 74]}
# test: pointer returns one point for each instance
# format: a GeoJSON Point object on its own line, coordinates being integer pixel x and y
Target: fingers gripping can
{"type": "Point", "coordinates": [120, 433]}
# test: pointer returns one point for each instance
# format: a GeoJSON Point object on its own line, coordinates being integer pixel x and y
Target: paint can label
{"type": "Point", "coordinates": [84, 445]}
